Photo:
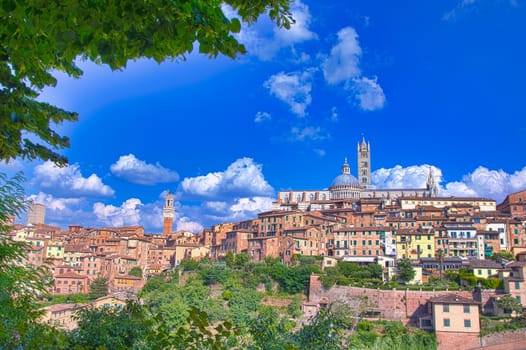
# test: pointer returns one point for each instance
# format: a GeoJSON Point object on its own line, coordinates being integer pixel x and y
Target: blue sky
{"type": "Point", "coordinates": [437, 84]}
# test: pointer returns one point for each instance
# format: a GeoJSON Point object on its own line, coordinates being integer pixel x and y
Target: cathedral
{"type": "Point", "coordinates": [346, 190]}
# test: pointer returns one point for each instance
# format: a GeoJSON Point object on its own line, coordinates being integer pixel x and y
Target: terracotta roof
{"type": "Point", "coordinates": [364, 229]}
{"type": "Point", "coordinates": [481, 264]}
{"type": "Point", "coordinates": [449, 199]}
{"type": "Point", "coordinates": [70, 275]}
{"type": "Point", "coordinates": [516, 264]}
{"type": "Point", "coordinates": [128, 277]}
{"type": "Point", "coordinates": [413, 232]}
{"type": "Point", "coordinates": [452, 299]}
{"type": "Point", "coordinates": [63, 307]}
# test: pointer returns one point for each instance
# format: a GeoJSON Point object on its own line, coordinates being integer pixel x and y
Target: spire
{"type": "Point", "coordinates": [431, 185]}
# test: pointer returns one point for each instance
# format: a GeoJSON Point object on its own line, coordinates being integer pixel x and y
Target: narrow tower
{"type": "Point", "coordinates": [431, 184]}
{"type": "Point", "coordinates": [168, 214]}
{"type": "Point", "coordinates": [36, 214]}
{"type": "Point", "coordinates": [364, 164]}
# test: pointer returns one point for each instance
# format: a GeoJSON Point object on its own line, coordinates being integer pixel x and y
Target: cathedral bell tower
{"type": "Point", "coordinates": [168, 214]}
{"type": "Point", "coordinates": [364, 164]}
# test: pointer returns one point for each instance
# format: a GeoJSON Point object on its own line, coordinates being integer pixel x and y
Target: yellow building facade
{"type": "Point", "coordinates": [415, 244]}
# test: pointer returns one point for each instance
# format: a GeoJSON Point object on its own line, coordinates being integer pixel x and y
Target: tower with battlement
{"type": "Point", "coordinates": [168, 214]}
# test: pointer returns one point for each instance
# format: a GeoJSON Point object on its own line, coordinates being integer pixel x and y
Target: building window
{"type": "Point", "coordinates": [447, 322]}
{"type": "Point", "coordinates": [466, 309]}
{"type": "Point", "coordinates": [517, 285]}
{"type": "Point", "coordinates": [467, 323]}
{"type": "Point", "coordinates": [445, 308]}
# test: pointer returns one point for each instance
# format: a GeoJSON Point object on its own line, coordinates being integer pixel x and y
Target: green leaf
{"type": "Point", "coordinates": [235, 25]}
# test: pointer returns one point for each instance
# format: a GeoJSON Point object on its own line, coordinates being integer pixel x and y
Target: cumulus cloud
{"type": "Point", "coordinates": [250, 207]}
{"type": "Point", "coordinates": [63, 211]}
{"type": "Point", "coordinates": [368, 93]}
{"type": "Point", "coordinates": [217, 206]}
{"type": "Point", "coordinates": [343, 62]}
{"type": "Point", "coordinates": [483, 182]}
{"type": "Point", "coordinates": [52, 203]}
{"type": "Point", "coordinates": [139, 172]}
{"type": "Point", "coordinates": [299, 31]}
{"type": "Point", "coordinates": [127, 214]}
{"type": "Point", "coordinates": [262, 117]}
{"type": "Point", "coordinates": [307, 133]}
{"type": "Point", "coordinates": [69, 181]}
{"type": "Point", "coordinates": [414, 176]}
{"type": "Point", "coordinates": [185, 224]}
{"type": "Point", "coordinates": [342, 65]}
{"type": "Point", "coordinates": [292, 88]}
{"type": "Point", "coordinates": [265, 40]}
{"type": "Point", "coordinates": [242, 176]}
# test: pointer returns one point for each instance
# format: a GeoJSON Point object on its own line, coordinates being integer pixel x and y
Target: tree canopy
{"type": "Point", "coordinates": [20, 284]}
{"type": "Point", "coordinates": [38, 37]}
{"type": "Point", "coordinates": [406, 272]}
{"type": "Point", "coordinates": [98, 288]}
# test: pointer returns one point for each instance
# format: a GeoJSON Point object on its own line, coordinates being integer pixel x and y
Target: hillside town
{"type": "Point", "coordinates": [349, 221]}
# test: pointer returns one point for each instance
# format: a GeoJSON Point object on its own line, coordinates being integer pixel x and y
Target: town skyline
{"type": "Point", "coordinates": [428, 85]}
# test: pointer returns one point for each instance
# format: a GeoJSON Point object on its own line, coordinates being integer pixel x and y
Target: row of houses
{"type": "Point", "coordinates": [406, 227]}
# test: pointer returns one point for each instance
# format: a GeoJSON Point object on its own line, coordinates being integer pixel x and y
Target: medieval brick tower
{"type": "Point", "coordinates": [168, 214]}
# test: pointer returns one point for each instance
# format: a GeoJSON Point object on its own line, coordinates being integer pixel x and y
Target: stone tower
{"type": "Point", "coordinates": [431, 184]}
{"type": "Point", "coordinates": [168, 214]}
{"type": "Point", "coordinates": [36, 214]}
{"type": "Point", "coordinates": [364, 164]}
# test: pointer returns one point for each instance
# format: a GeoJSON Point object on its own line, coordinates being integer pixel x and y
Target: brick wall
{"type": "Point", "coordinates": [504, 338]}
{"type": "Point", "coordinates": [457, 341]}
{"type": "Point", "coordinates": [391, 304]}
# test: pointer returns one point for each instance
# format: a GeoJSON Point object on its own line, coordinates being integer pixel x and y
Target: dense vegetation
{"type": "Point", "coordinates": [226, 305]}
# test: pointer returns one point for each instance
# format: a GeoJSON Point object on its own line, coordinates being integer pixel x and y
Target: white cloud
{"type": "Point", "coordinates": [414, 176]}
{"type": "Point", "coordinates": [217, 206]}
{"type": "Point", "coordinates": [250, 207]}
{"type": "Point", "coordinates": [299, 31]}
{"type": "Point", "coordinates": [63, 212]}
{"type": "Point", "coordinates": [127, 214]}
{"type": "Point", "coordinates": [343, 66]}
{"type": "Point", "coordinates": [185, 224]}
{"type": "Point", "coordinates": [242, 176]}
{"type": "Point", "coordinates": [265, 40]}
{"type": "Point", "coordinates": [205, 185]}
{"type": "Point", "coordinates": [483, 182]}
{"type": "Point", "coordinates": [343, 62]}
{"type": "Point", "coordinates": [368, 93]}
{"type": "Point", "coordinates": [307, 133]}
{"type": "Point", "coordinates": [262, 117]}
{"type": "Point", "coordinates": [292, 88]}
{"type": "Point", "coordinates": [52, 203]}
{"type": "Point", "coordinates": [137, 171]}
{"type": "Point", "coordinates": [69, 181]}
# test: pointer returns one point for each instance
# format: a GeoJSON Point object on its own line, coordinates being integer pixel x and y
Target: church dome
{"type": "Point", "coordinates": [345, 186]}
{"type": "Point", "coordinates": [345, 180]}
